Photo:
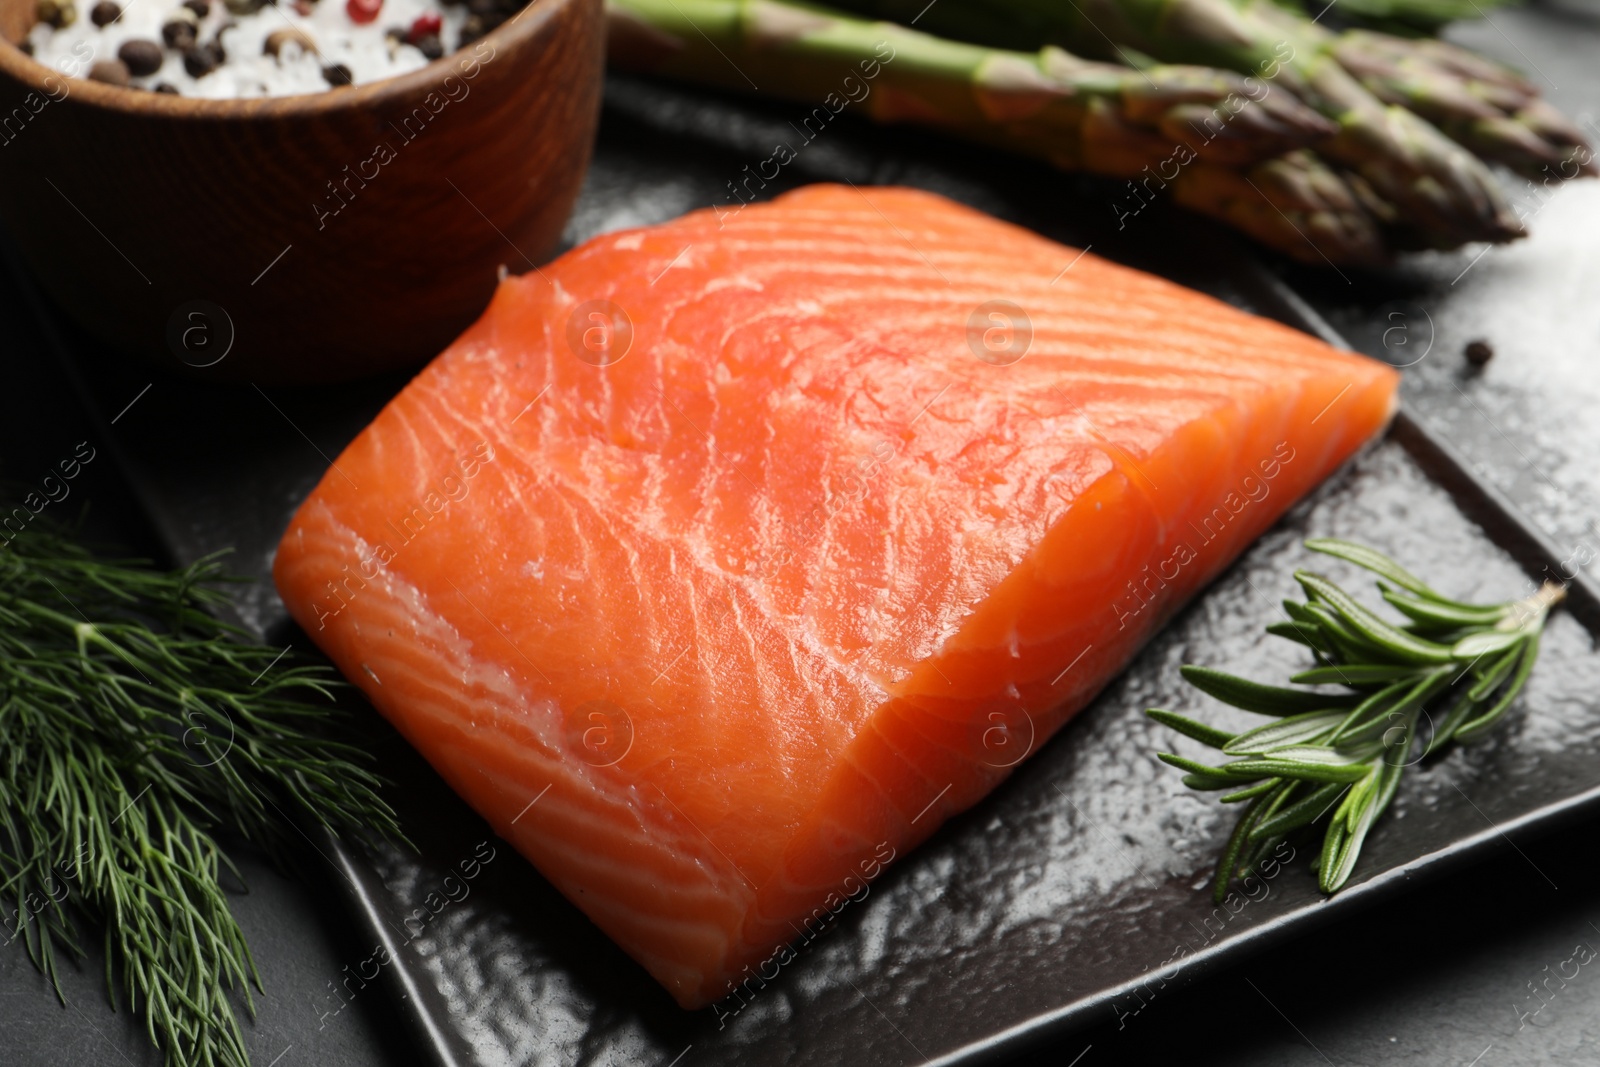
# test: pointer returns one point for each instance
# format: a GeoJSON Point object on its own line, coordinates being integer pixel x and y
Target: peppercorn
{"type": "Point", "coordinates": [1479, 352]}
{"type": "Point", "coordinates": [243, 7]}
{"type": "Point", "coordinates": [109, 71]}
{"type": "Point", "coordinates": [337, 75]}
{"type": "Point", "coordinates": [424, 25]}
{"type": "Point", "coordinates": [105, 13]}
{"type": "Point", "coordinates": [168, 88]}
{"type": "Point", "coordinates": [201, 8]}
{"type": "Point", "coordinates": [277, 39]}
{"type": "Point", "coordinates": [203, 59]}
{"type": "Point", "coordinates": [57, 13]}
{"type": "Point", "coordinates": [143, 57]}
{"type": "Point", "coordinates": [180, 30]}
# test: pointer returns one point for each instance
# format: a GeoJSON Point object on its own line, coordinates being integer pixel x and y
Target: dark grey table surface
{"type": "Point", "coordinates": [1457, 971]}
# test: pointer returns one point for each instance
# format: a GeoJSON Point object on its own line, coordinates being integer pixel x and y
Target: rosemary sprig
{"type": "Point", "coordinates": [1340, 755]}
{"type": "Point", "coordinates": [135, 726]}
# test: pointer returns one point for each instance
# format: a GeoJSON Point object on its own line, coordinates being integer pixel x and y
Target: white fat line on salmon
{"type": "Point", "coordinates": [452, 890]}
{"type": "Point", "coordinates": [1255, 89]}
{"type": "Point", "coordinates": [815, 924]}
{"type": "Point", "coordinates": [899, 232]}
{"type": "Point", "coordinates": [503, 636]}
{"type": "Point", "coordinates": [684, 815]}
{"type": "Point", "coordinates": [1146, 587]}
{"type": "Point", "coordinates": [55, 489]}
{"type": "Point", "coordinates": [853, 488]}
{"type": "Point", "coordinates": [784, 154]}
{"type": "Point", "coordinates": [1255, 880]}
{"type": "Point", "coordinates": [710, 441]}
{"type": "Point", "coordinates": [449, 489]}
{"type": "Point", "coordinates": [662, 673]}
{"type": "Point", "coordinates": [1094, 431]}
{"type": "Point", "coordinates": [344, 187]}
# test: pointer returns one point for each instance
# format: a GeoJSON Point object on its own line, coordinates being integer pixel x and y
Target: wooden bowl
{"type": "Point", "coordinates": [306, 238]}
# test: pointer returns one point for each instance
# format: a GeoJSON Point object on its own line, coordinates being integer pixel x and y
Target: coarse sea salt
{"type": "Point", "coordinates": [368, 51]}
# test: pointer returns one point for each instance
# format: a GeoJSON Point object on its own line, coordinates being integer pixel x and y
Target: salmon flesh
{"type": "Point", "coordinates": [722, 561]}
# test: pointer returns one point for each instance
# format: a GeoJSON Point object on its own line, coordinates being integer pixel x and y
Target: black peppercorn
{"type": "Point", "coordinates": [142, 57]}
{"type": "Point", "coordinates": [109, 71]}
{"type": "Point", "coordinates": [203, 59]}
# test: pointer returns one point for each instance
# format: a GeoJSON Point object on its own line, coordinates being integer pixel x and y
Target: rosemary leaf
{"type": "Point", "coordinates": [1253, 696]}
{"type": "Point", "coordinates": [1337, 759]}
{"type": "Point", "coordinates": [1206, 735]}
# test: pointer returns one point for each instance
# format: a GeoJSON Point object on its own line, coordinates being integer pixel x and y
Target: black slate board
{"type": "Point", "coordinates": [1052, 902]}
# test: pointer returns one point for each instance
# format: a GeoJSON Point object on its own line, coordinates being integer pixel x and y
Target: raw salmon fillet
{"type": "Point", "coordinates": [716, 598]}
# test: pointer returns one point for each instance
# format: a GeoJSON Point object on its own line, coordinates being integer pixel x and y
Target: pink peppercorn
{"type": "Point", "coordinates": [363, 11]}
{"type": "Point", "coordinates": [427, 25]}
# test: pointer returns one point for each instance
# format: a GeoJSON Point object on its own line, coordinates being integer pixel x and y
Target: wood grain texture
{"type": "Point", "coordinates": [392, 205]}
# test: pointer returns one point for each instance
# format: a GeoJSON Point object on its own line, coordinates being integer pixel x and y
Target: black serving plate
{"type": "Point", "coordinates": [1075, 893]}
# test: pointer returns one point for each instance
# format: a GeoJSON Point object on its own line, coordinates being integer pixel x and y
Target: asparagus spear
{"type": "Point", "coordinates": [1405, 16]}
{"type": "Point", "coordinates": [1488, 107]}
{"type": "Point", "coordinates": [1446, 195]}
{"type": "Point", "coordinates": [1186, 127]}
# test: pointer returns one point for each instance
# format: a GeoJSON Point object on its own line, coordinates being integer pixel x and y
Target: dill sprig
{"type": "Point", "coordinates": [1339, 756]}
{"type": "Point", "coordinates": [135, 726]}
